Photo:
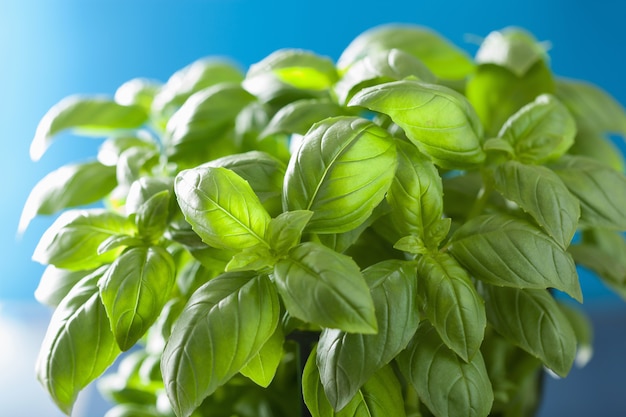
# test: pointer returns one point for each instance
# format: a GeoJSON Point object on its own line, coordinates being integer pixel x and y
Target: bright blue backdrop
{"type": "Point", "coordinates": [53, 48]}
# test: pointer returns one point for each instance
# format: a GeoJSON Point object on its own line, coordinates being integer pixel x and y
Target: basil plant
{"type": "Point", "coordinates": [396, 233]}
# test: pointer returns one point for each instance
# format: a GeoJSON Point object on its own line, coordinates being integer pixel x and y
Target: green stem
{"type": "Point", "coordinates": [481, 198]}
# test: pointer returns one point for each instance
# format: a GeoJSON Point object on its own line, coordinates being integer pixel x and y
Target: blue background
{"type": "Point", "coordinates": [53, 48]}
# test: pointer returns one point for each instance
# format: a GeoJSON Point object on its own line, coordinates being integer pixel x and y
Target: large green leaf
{"type": "Point", "coordinates": [511, 252]}
{"type": "Point", "coordinates": [437, 119]}
{"type": "Point", "coordinates": [73, 239]}
{"type": "Point", "coordinates": [532, 320]}
{"type": "Point", "coordinates": [321, 286]}
{"type": "Point", "coordinates": [379, 67]}
{"type": "Point", "coordinates": [134, 290]}
{"type": "Point", "coordinates": [91, 115]}
{"type": "Point", "coordinates": [78, 346]}
{"type": "Point", "coordinates": [542, 194]}
{"type": "Point", "coordinates": [263, 366]}
{"type": "Point", "coordinates": [416, 196]}
{"type": "Point", "coordinates": [341, 172]}
{"type": "Point", "coordinates": [56, 283]}
{"type": "Point", "coordinates": [600, 189]}
{"type": "Point", "coordinates": [541, 131]}
{"type": "Point", "coordinates": [69, 186]}
{"type": "Point", "coordinates": [380, 396]}
{"type": "Point", "coordinates": [300, 115]}
{"type": "Point", "coordinates": [443, 58]}
{"type": "Point", "coordinates": [447, 385]}
{"type": "Point", "coordinates": [224, 325]}
{"type": "Point", "coordinates": [346, 361]}
{"type": "Point", "coordinates": [451, 303]}
{"type": "Point", "coordinates": [221, 207]}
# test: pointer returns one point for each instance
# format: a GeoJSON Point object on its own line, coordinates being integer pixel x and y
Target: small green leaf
{"type": "Point", "coordinates": [437, 119]}
{"type": "Point", "coordinates": [300, 115]}
{"type": "Point", "coordinates": [135, 163]}
{"type": "Point", "coordinates": [223, 326]}
{"type": "Point", "coordinates": [221, 207]}
{"type": "Point", "coordinates": [600, 189]}
{"type": "Point", "coordinates": [118, 241]}
{"type": "Point", "coordinates": [284, 232]}
{"type": "Point", "coordinates": [447, 385]}
{"type": "Point", "coordinates": [542, 194]}
{"type": "Point", "coordinates": [379, 67]}
{"type": "Point", "coordinates": [56, 283]}
{"type": "Point", "coordinates": [451, 304]}
{"type": "Point", "coordinates": [143, 190]}
{"type": "Point", "coordinates": [138, 92]}
{"type": "Point", "coordinates": [443, 58]}
{"type": "Point", "coordinates": [263, 366]}
{"type": "Point", "coordinates": [346, 361]}
{"type": "Point", "coordinates": [112, 148]}
{"type": "Point", "coordinates": [69, 186]}
{"type": "Point", "coordinates": [95, 115]}
{"type": "Point", "coordinates": [134, 290]}
{"type": "Point", "coordinates": [73, 239]}
{"type": "Point", "coordinates": [341, 172]}
{"type": "Point", "coordinates": [511, 252]}
{"type": "Point", "coordinates": [152, 216]}
{"type": "Point", "coordinates": [541, 131]}
{"type": "Point", "coordinates": [254, 258]}
{"type": "Point", "coordinates": [583, 329]}
{"type": "Point", "coordinates": [321, 286]}
{"type": "Point", "coordinates": [78, 346]}
{"type": "Point", "coordinates": [532, 320]}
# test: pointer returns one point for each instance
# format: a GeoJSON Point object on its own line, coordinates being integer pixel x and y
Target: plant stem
{"type": "Point", "coordinates": [481, 199]}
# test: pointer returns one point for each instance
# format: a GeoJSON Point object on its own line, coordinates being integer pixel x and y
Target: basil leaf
{"type": "Point", "coordinates": [67, 361]}
{"type": "Point", "coordinates": [583, 330]}
{"type": "Point", "coordinates": [152, 216]}
{"type": "Point", "coordinates": [532, 320]}
{"type": "Point", "coordinates": [323, 287]}
{"type": "Point", "coordinates": [379, 67]}
{"type": "Point", "coordinates": [263, 366]}
{"type": "Point", "coordinates": [73, 239]}
{"type": "Point", "coordinates": [443, 58]}
{"type": "Point", "coordinates": [300, 115]}
{"type": "Point", "coordinates": [224, 325]}
{"type": "Point", "coordinates": [142, 190]}
{"type": "Point", "coordinates": [600, 190]}
{"type": "Point", "coordinates": [451, 304]}
{"type": "Point", "coordinates": [138, 92]}
{"type": "Point", "coordinates": [437, 119]}
{"type": "Point", "coordinates": [254, 258]}
{"type": "Point", "coordinates": [445, 383]}
{"type": "Point", "coordinates": [415, 196]}
{"type": "Point", "coordinates": [221, 207]}
{"type": "Point", "coordinates": [380, 396]}
{"type": "Point", "coordinates": [346, 361]}
{"type": "Point", "coordinates": [56, 283]}
{"type": "Point", "coordinates": [69, 186]}
{"type": "Point", "coordinates": [135, 163]}
{"type": "Point", "coordinates": [341, 172]}
{"type": "Point", "coordinates": [599, 147]}
{"type": "Point", "coordinates": [112, 148]}
{"type": "Point", "coordinates": [118, 241]}
{"type": "Point", "coordinates": [541, 131]}
{"type": "Point", "coordinates": [92, 115]}
{"type": "Point", "coordinates": [542, 194]}
{"type": "Point", "coordinates": [284, 232]}
{"type": "Point", "coordinates": [134, 290]}
{"type": "Point", "coordinates": [507, 251]}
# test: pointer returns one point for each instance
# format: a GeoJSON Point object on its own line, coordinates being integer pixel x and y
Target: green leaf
{"type": "Point", "coordinates": [224, 325]}
{"type": "Point", "coordinates": [284, 232]}
{"type": "Point", "coordinates": [263, 366]}
{"type": "Point", "coordinates": [221, 207]}
{"type": "Point", "coordinates": [134, 290]}
{"type": "Point", "coordinates": [443, 58]}
{"type": "Point", "coordinates": [78, 346]}
{"type": "Point", "coordinates": [379, 67]}
{"type": "Point", "coordinates": [118, 241]}
{"type": "Point", "coordinates": [69, 186]}
{"type": "Point", "coordinates": [341, 172]}
{"type": "Point", "coordinates": [541, 131]}
{"type": "Point", "coordinates": [254, 258]}
{"type": "Point", "coordinates": [532, 320]}
{"type": "Point", "coordinates": [112, 148]}
{"type": "Point", "coordinates": [600, 189]}
{"type": "Point", "coordinates": [542, 194]}
{"type": "Point", "coordinates": [346, 361]}
{"type": "Point", "coordinates": [511, 252]}
{"type": "Point", "coordinates": [95, 115]}
{"type": "Point", "coordinates": [416, 196]}
{"type": "Point", "coordinates": [512, 48]}
{"type": "Point", "coordinates": [437, 119]}
{"type": "Point", "coordinates": [380, 396]}
{"type": "Point", "coordinates": [583, 329]}
{"type": "Point", "coordinates": [135, 163]}
{"type": "Point", "coordinates": [73, 239]}
{"type": "Point", "coordinates": [300, 115]}
{"type": "Point", "coordinates": [599, 147]}
{"type": "Point", "coordinates": [152, 216]}
{"type": "Point", "coordinates": [142, 190]}
{"type": "Point", "coordinates": [446, 384]}
{"type": "Point", "coordinates": [321, 286]}
{"type": "Point", "coordinates": [138, 92]}
{"type": "Point", "coordinates": [56, 283]}
{"type": "Point", "coordinates": [451, 304]}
